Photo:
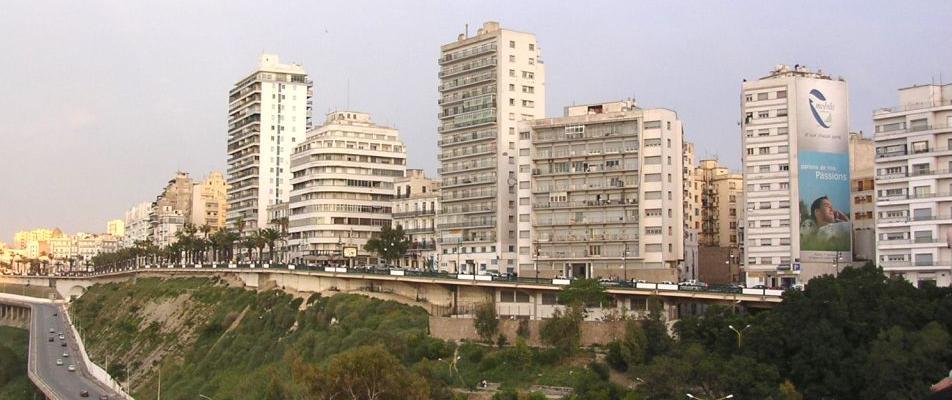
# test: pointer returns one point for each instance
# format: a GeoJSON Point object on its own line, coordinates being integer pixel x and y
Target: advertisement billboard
{"type": "Point", "coordinates": [824, 169]}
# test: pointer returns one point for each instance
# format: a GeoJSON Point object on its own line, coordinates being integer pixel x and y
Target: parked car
{"type": "Point", "coordinates": [59, 361]}
{"type": "Point", "coordinates": [65, 354]}
{"type": "Point", "coordinates": [83, 393]}
{"type": "Point", "coordinates": [608, 282]}
{"type": "Point", "coordinates": [63, 344]}
{"type": "Point", "coordinates": [71, 368]}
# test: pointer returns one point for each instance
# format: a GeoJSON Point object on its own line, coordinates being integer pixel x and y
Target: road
{"type": "Point", "coordinates": [66, 384]}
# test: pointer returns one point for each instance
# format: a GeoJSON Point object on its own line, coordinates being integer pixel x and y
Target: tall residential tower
{"type": "Point", "coordinates": [268, 114]}
{"type": "Point", "coordinates": [488, 83]}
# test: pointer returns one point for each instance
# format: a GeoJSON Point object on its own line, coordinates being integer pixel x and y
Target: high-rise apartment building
{"type": "Point", "coordinates": [171, 210]}
{"type": "Point", "coordinates": [488, 83]}
{"type": "Point", "coordinates": [795, 127]}
{"type": "Point", "coordinates": [209, 202]}
{"type": "Point", "coordinates": [914, 185]}
{"type": "Point", "coordinates": [343, 187]}
{"type": "Point", "coordinates": [692, 215]}
{"type": "Point", "coordinates": [862, 193]}
{"type": "Point", "coordinates": [415, 208]}
{"type": "Point", "coordinates": [268, 115]}
{"type": "Point", "coordinates": [137, 225]}
{"type": "Point", "coordinates": [606, 194]}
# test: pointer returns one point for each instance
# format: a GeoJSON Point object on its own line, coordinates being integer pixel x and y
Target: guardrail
{"type": "Point", "coordinates": [94, 370]}
{"type": "Point", "coordinates": [31, 347]}
{"type": "Point", "coordinates": [445, 275]}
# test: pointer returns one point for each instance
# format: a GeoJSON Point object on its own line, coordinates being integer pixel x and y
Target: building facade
{"type": "Point", "coordinates": [488, 83]}
{"type": "Point", "coordinates": [606, 194]}
{"type": "Point", "coordinates": [209, 202]}
{"type": "Point", "coordinates": [914, 185]}
{"type": "Point", "coordinates": [721, 200]}
{"type": "Point", "coordinates": [692, 215]}
{"type": "Point", "coordinates": [863, 193]}
{"type": "Point", "coordinates": [415, 208]}
{"type": "Point", "coordinates": [268, 115]}
{"type": "Point", "coordinates": [137, 225]}
{"type": "Point", "coordinates": [795, 127]}
{"type": "Point", "coordinates": [343, 187]}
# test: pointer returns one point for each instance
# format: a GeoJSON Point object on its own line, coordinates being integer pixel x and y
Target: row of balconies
{"type": "Point", "coordinates": [467, 166]}
{"type": "Point", "coordinates": [460, 152]}
{"type": "Point", "coordinates": [470, 66]}
{"type": "Point", "coordinates": [585, 204]}
{"type": "Point", "coordinates": [410, 214]}
{"type": "Point", "coordinates": [585, 186]}
{"type": "Point", "coordinates": [467, 53]}
{"type": "Point", "coordinates": [461, 138]}
{"type": "Point", "coordinates": [454, 195]}
{"type": "Point", "coordinates": [484, 222]}
{"type": "Point", "coordinates": [467, 180]}
{"type": "Point", "coordinates": [469, 80]}
{"type": "Point", "coordinates": [914, 173]}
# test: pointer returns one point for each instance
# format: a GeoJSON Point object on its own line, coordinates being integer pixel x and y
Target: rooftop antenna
{"type": "Point", "coordinates": [467, 30]}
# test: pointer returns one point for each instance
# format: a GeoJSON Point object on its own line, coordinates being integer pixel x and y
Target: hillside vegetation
{"type": "Point", "coordinates": [230, 343]}
{"type": "Point", "coordinates": [14, 383]}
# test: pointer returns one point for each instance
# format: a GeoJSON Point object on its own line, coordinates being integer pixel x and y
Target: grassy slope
{"type": "Point", "coordinates": [19, 386]}
{"type": "Point", "coordinates": [230, 343]}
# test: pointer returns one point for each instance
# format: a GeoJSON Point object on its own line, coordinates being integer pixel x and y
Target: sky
{"type": "Point", "coordinates": [102, 101]}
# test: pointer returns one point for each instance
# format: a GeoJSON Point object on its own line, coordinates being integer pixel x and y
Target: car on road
{"type": "Point", "coordinates": [59, 361]}
{"type": "Point", "coordinates": [55, 314]}
{"type": "Point", "coordinates": [83, 393]}
{"type": "Point", "coordinates": [65, 355]}
{"type": "Point", "coordinates": [51, 339]}
{"type": "Point", "coordinates": [103, 397]}
{"type": "Point", "coordinates": [52, 330]}
{"type": "Point", "coordinates": [71, 368]}
{"type": "Point", "coordinates": [63, 344]}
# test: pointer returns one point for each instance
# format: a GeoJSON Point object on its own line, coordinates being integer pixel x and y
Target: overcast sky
{"type": "Point", "coordinates": [101, 102]}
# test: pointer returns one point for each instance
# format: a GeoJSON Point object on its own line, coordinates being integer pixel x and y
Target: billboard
{"type": "Point", "coordinates": [824, 169]}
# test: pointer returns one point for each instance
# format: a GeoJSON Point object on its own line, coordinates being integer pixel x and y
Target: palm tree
{"type": "Point", "coordinates": [270, 236]}
{"type": "Point", "coordinates": [259, 242]}
{"type": "Point", "coordinates": [205, 230]}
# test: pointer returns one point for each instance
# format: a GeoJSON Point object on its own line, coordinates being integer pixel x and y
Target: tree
{"type": "Point", "coordinates": [270, 236]}
{"type": "Point", "coordinates": [366, 373]}
{"type": "Point", "coordinates": [585, 292]}
{"type": "Point", "coordinates": [486, 321]}
{"type": "Point", "coordinates": [390, 245]}
{"type": "Point", "coordinates": [564, 329]}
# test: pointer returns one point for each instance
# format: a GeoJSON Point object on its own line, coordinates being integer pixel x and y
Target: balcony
{"type": "Point", "coordinates": [591, 169]}
{"type": "Point", "coordinates": [469, 80]}
{"type": "Point", "coordinates": [467, 53]}
{"type": "Point", "coordinates": [914, 173]}
{"type": "Point", "coordinates": [467, 166]}
{"type": "Point", "coordinates": [907, 220]}
{"type": "Point", "coordinates": [463, 181]}
{"type": "Point", "coordinates": [456, 125]}
{"type": "Point", "coordinates": [486, 105]}
{"type": "Point", "coordinates": [413, 231]}
{"type": "Point", "coordinates": [913, 196]}
{"type": "Point", "coordinates": [461, 241]}
{"type": "Point", "coordinates": [466, 152]}
{"type": "Point", "coordinates": [583, 187]}
{"type": "Point", "coordinates": [411, 214]}
{"type": "Point", "coordinates": [473, 223]}
{"type": "Point", "coordinates": [912, 107]}
{"type": "Point", "coordinates": [468, 195]}
{"type": "Point", "coordinates": [586, 239]}
{"type": "Point", "coordinates": [910, 129]}
{"type": "Point", "coordinates": [467, 137]}
{"type": "Point", "coordinates": [459, 69]}
{"type": "Point", "coordinates": [468, 209]}
{"type": "Point", "coordinates": [584, 204]}
{"type": "Point", "coordinates": [585, 221]}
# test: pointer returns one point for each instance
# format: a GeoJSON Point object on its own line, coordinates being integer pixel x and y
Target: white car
{"type": "Point", "coordinates": [65, 355]}
{"type": "Point", "coordinates": [59, 361]}
{"type": "Point", "coordinates": [71, 368]}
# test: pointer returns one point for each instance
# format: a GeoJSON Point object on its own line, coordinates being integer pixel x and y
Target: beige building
{"type": "Point", "coordinates": [914, 185]}
{"type": "Point", "coordinates": [415, 208]}
{"type": "Point", "coordinates": [209, 202]}
{"type": "Point", "coordinates": [863, 193]}
{"type": "Point", "coordinates": [116, 228]}
{"type": "Point", "coordinates": [721, 191]}
{"type": "Point", "coordinates": [488, 83]}
{"type": "Point", "coordinates": [171, 210]}
{"type": "Point", "coordinates": [269, 112]}
{"type": "Point", "coordinates": [38, 235]}
{"type": "Point", "coordinates": [343, 187]}
{"type": "Point", "coordinates": [606, 194]}
{"type": "Point", "coordinates": [137, 224]}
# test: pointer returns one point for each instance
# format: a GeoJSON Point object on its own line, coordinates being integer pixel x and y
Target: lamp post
{"type": "Point", "coordinates": [691, 396]}
{"type": "Point", "coordinates": [535, 264]}
{"type": "Point", "coordinates": [739, 333]}
{"type": "Point", "coordinates": [624, 261]}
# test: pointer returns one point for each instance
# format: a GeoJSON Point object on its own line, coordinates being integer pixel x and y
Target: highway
{"type": "Point", "coordinates": [58, 379]}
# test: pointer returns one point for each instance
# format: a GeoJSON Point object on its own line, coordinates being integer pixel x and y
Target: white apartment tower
{"type": "Point", "coordinates": [488, 83]}
{"type": "Point", "coordinates": [795, 127]}
{"type": "Point", "coordinates": [605, 197]}
{"type": "Point", "coordinates": [268, 115]}
{"type": "Point", "coordinates": [343, 187]}
{"type": "Point", "coordinates": [914, 185]}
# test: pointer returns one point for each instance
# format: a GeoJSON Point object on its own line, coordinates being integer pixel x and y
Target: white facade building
{"type": "Point", "coordinates": [606, 194]}
{"type": "Point", "coordinates": [268, 115]}
{"type": "Point", "coordinates": [137, 225]}
{"type": "Point", "coordinates": [914, 185]}
{"type": "Point", "coordinates": [343, 186]}
{"type": "Point", "coordinates": [779, 129]}
{"type": "Point", "coordinates": [488, 83]}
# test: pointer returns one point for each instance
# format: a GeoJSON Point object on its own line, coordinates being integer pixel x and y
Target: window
{"type": "Point", "coordinates": [512, 73]}
{"type": "Point", "coordinates": [763, 132]}
{"type": "Point", "coordinates": [763, 114]}
{"type": "Point", "coordinates": [784, 185]}
{"type": "Point", "coordinates": [784, 167]}
{"type": "Point", "coordinates": [782, 94]}
{"type": "Point", "coordinates": [763, 150]}
{"type": "Point", "coordinates": [512, 88]}
{"type": "Point", "coordinates": [761, 96]}
{"type": "Point", "coordinates": [782, 130]}
{"type": "Point", "coordinates": [783, 149]}
{"type": "Point", "coordinates": [765, 224]}
{"type": "Point", "coordinates": [750, 151]}
{"type": "Point", "coordinates": [763, 168]}
{"type": "Point", "coordinates": [748, 97]}
{"type": "Point", "coordinates": [784, 241]}
{"type": "Point", "coordinates": [512, 44]}
{"type": "Point", "coordinates": [765, 205]}
{"type": "Point", "coordinates": [782, 112]}
{"type": "Point", "coordinates": [528, 75]}
{"type": "Point", "coordinates": [512, 58]}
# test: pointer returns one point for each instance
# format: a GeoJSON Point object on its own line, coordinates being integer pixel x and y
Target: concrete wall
{"type": "Point", "coordinates": [593, 332]}
{"type": "Point", "coordinates": [14, 316]}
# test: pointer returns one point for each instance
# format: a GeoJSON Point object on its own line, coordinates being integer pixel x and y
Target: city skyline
{"type": "Point", "coordinates": [106, 112]}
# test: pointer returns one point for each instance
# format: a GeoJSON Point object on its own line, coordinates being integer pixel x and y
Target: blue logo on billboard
{"type": "Point", "coordinates": [822, 110]}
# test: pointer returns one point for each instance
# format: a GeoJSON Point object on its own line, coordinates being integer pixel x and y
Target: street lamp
{"type": "Point", "coordinates": [535, 254]}
{"type": "Point", "coordinates": [739, 333]}
{"type": "Point", "coordinates": [624, 265]}
{"type": "Point", "coordinates": [691, 396]}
